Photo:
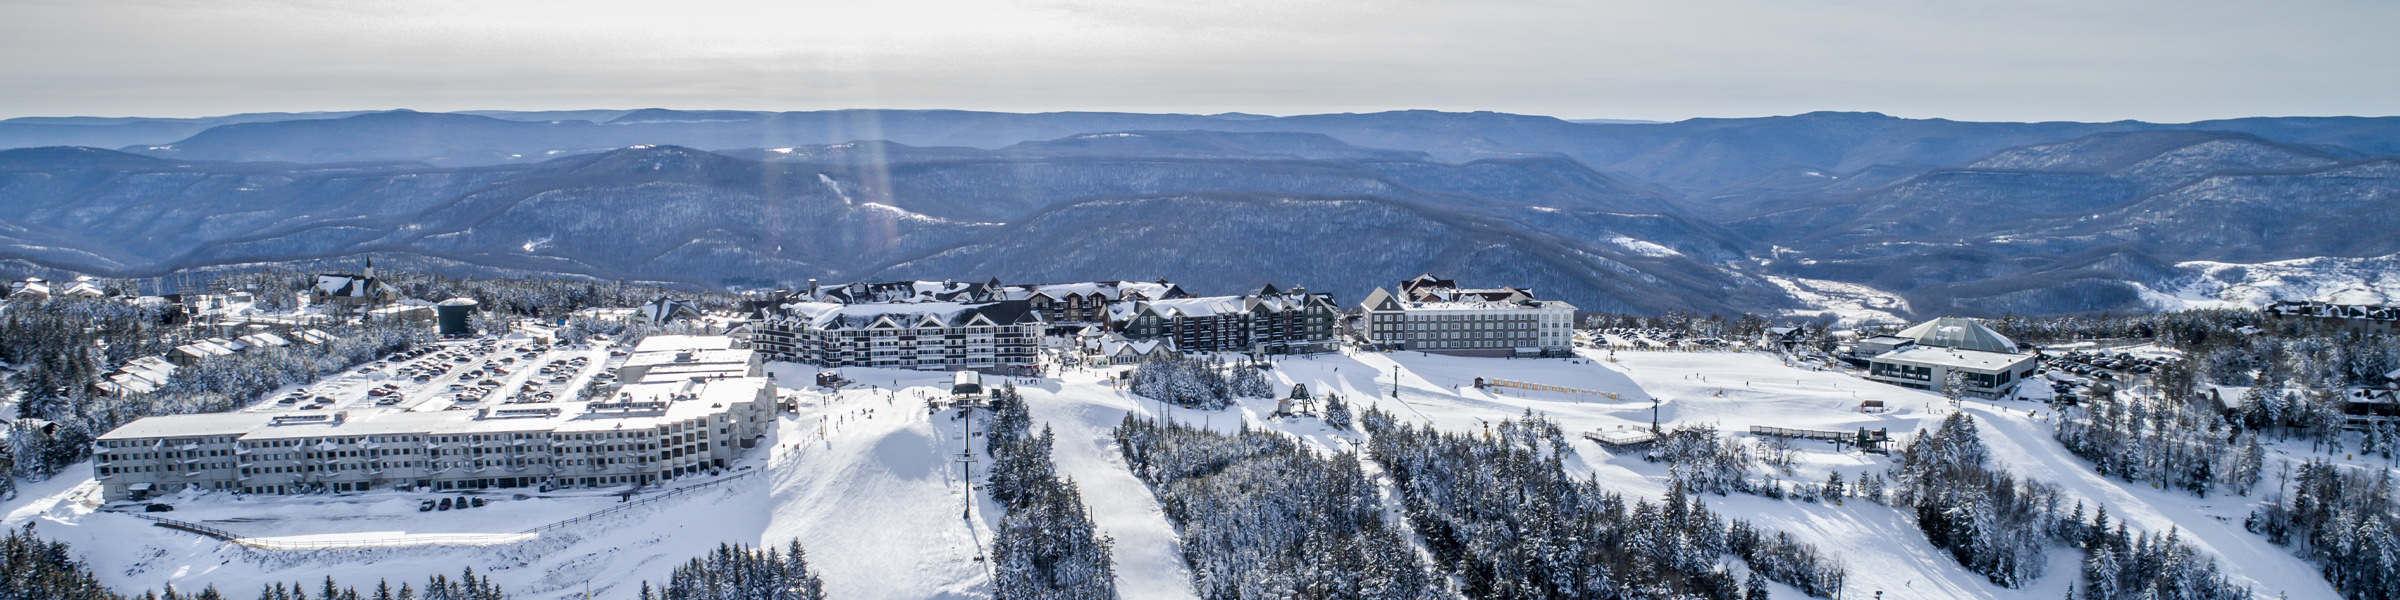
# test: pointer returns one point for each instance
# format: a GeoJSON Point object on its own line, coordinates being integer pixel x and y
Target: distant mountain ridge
{"type": "Point", "coordinates": [1696, 156]}
{"type": "Point", "coordinates": [676, 214]}
{"type": "Point", "coordinates": [1942, 217]}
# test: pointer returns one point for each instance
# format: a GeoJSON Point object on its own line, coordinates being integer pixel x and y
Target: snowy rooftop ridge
{"type": "Point", "coordinates": [835, 316]}
{"type": "Point", "coordinates": [1958, 332]}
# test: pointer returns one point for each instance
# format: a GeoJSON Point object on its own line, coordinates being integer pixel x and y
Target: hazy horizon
{"type": "Point", "coordinates": [1658, 61]}
{"type": "Point", "coordinates": [1254, 113]}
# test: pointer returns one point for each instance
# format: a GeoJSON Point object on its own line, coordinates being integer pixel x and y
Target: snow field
{"type": "Point", "coordinates": [869, 482]}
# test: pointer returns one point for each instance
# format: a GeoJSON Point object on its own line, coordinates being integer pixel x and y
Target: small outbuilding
{"type": "Point", "coordinates": [451, 316]}
{"type": "Point", "coordinates": [967, 384]}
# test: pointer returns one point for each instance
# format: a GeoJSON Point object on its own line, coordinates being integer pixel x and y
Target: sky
{"type": "Point", "coordinates": [2030, 60]}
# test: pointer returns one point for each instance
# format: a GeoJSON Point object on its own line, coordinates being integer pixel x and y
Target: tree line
{"type": "Point", "coordinates": [1047, 547]}
{"type": "Point", "coordinates": [1499, 513]}
{"type": "Point", "coordinates": [1260, 516]}
{"type": "Point", "coordinates": [65, 347]}
{"type": "Point", "coordinates": [1196, 382]}
{"type": "Point", "coordinates": [735, 572]}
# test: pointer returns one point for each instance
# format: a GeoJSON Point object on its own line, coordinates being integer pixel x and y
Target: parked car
{"type": "Point", "coordinates": [445, 505]}
{"type": "Point", "coordinates": [426, 506]}
{"type": "Point", "coordinates": [159, 508]}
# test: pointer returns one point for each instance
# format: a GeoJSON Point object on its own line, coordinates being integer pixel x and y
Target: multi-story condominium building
{"type": "Point", "coordinates": [1067, 307]}
{"type": "Point", "coordinates": [2358, 318]}
{"type": "Point", "coordinates": [928, 336]}
{"type": "Point", "coordinates": [1435, 315]}
{"type": "Point", "coordinates": [1271, 321]}
{"type": "Point", "coordinates": [647, 432]}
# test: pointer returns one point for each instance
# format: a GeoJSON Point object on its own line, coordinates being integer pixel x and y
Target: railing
{"type": "Point", "coordinates": [467, 539]}
{"type": "Point", "coordinates": [674, 493]}
{"type": "Point", "coordinates": [1876, 437]}
{"type": "Point", "coordinates": [463, 539]}
{"type": "Point", "coordinates": [1806, 434]}
{"type": "Point", "coordinates": [1540, 387]}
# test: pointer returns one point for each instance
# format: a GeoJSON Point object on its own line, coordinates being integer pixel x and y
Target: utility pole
{"type": "Point", "coordinates": [1395, 382]}
{"type": "Point", "coordinates": [1653, 414]}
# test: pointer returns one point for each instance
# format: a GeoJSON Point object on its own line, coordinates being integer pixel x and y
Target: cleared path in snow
{"type": "Point", "coordinates": [1149, 560]}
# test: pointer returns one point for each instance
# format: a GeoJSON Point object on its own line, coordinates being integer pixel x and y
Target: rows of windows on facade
{"type": "Point", "coordinates": [681, 406]}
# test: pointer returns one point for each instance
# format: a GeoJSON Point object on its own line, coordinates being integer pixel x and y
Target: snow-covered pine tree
{"type": "Point", "coordinates": [1337, 412]}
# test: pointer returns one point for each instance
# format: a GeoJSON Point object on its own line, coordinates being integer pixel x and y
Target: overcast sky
{"type": "Point", "coordinates": [2019, 60]}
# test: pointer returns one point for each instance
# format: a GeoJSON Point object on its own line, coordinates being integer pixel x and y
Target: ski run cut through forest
{"type": "Point", "coordinates": [1623, 469]}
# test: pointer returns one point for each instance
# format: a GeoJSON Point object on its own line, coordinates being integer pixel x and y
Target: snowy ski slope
{"type": "Point", "coordinates": [869, 481]}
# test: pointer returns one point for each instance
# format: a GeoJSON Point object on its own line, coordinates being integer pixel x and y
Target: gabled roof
{"type": "Point", "coordinates": [833, 316]}
{"type": "Point", "coordinates": [1107, 290]}
{"type": "Point", "coordinates": [1379, 300]}
{"type": "Point", "coordinates": [1195, 307]}
{"type": "Point", "coordinates": [83, 289]}
{"type": "Point", "coordinates": [1958, 332]}
{"type": "Point", "coordinates": [343, 285]}
{"type": "Point", "coordinates": [665, 310]}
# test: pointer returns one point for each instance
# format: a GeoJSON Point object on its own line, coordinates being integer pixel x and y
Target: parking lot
{"type": "Point", "coordinates": [2076, 368]}
{"type": "Point", "coordinates": [453, 375]}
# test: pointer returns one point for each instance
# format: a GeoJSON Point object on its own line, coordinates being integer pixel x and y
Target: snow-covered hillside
{"type": "Point", "coordinates": [2373, 280]}
{"type": "Point", "coordinates": [870, 481]}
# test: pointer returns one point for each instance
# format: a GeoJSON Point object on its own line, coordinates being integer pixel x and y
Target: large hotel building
{"type": "Point", "coordinates": [689, 404]}
{"type": "Point", "coordinates": [1434, 315]}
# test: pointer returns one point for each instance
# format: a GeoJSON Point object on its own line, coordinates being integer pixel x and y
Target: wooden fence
{"type": "Point", "coordinates": [465, 539]}
{"type": "Point", "coordinates": [1540, 387]}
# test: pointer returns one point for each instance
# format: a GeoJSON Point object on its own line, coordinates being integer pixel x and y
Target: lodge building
{"type": "Point", "coordinates": [1923, 357]}
{"type": "Point", "coordinates": [1271, 321]}
{"type": "Point", "coordinates": [1430, 314]}
{"type": "Point", "coordinates": [647, 433]}
{"type": "Point", "coordinates": [2365, 319]}
{"type": "Point", "coordinates": [926, 336]}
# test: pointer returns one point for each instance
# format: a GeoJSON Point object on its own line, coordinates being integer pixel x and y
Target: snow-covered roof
{"type": "Point", "coordinates": [1954, 358]}
{"type": "Point", "coordinates": [347, 286]}
{"type": "Point", "coordinates": [719, 356]}
{"type": "Point", "coordinates": [682, 343]}
{"type": "Point", "coordinates": [1427, 293]}
{"type": "Point", "coordinates": [1958, 332]}
{"type": "Point", "coordinates": [1486, 305]}
{"type": "Point", "coordinates": [232, 423]}
{"type": "Point", "coordinates": [1115, 344]}
{"type": "Point", "coordinates": [2334, 310]}
{"type": "Point", "coordinates": [665, 310]}
{"type": "Point", "coordinates": [1110, 290]}
{"type": "Point", "coordinates": [83, 289]}
{"type": "Point", "coordinates": [833, 316]}
{"type": "Point", "coordinates": [1196, 307]}
{"type": "Point", "coordinates": [901, 291]}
